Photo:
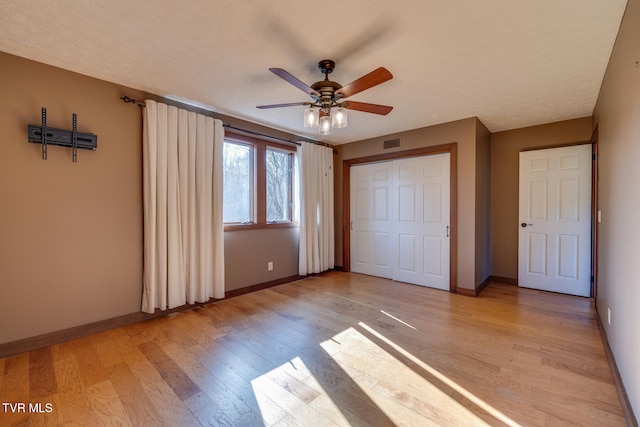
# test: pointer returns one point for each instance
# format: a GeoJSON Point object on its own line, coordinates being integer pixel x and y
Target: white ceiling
{"type": "Point", "coordinates": [511, 63]}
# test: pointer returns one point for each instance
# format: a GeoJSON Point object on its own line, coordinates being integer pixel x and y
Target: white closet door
{"type": "Point", "coordinates": [421, 213]}
{"type": "Point", "coordinates": [371, 224]}
{"type": "Point", "coordinates": [400, 220]}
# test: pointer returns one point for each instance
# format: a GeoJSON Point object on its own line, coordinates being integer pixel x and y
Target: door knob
{"type": "Point", "coordinates": [524, 224]}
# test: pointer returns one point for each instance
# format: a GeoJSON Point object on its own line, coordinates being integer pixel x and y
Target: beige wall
{"type": "Point", "coordinates": [462, 132]}
{"type": "Point", "coordinates": [617, 116]}
{"type": "Point", "coordinates": [505, 149]}
{"type": "Point", "coordinates": [71, 233]}
{"type": "Point", "coordinates": [248, 252]}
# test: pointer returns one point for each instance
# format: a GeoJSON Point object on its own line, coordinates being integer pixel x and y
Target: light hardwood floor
{"type": "Point", "coordinates": [336, 349]}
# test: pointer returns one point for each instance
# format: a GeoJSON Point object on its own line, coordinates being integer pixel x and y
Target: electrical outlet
{"type": "Point", "coordinates": [270, 266]}
{"type": "Point", "coordinates": [609, 316]}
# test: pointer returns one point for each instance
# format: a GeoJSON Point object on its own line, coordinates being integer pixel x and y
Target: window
{"type": "Point", "coordinates": [237, 206]}
{"type": "Point", "coordinates": [279, 168]}
{"type": "Point", "coordinates": [258, 183]}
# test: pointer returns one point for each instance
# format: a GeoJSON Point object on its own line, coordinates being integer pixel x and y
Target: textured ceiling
{"type": "Point", "coordinates": [511, 63]}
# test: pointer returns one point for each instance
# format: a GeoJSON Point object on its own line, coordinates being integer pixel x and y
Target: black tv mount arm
{"type": "Point", "coordinates": [64, 138]}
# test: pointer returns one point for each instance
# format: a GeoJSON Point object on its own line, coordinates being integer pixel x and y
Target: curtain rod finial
{"type": "Point", "coordinates": [128, 100]}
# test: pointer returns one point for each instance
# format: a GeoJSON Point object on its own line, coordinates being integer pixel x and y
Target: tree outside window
{"type": "Point", "coordinates": [238, 183]}
{"type": "Point", "coordinates": [279, 171]}
{"type": "Point", "coordinates": [258, 183]}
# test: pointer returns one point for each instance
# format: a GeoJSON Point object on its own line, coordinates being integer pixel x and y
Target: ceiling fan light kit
{"type": "Point", "coordinates": [326, 111]}
{"type": "Point", "coordinates": [311, 118]}
{"type": "Point", "coordinates": [325, 125]}
{"type": "Point", "coordinates": [339, 117]}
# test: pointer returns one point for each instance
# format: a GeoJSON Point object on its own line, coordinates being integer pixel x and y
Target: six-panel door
{"type": "Point", "coordinates": [554, 245]}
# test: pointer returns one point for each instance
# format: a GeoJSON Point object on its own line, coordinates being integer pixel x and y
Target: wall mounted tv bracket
{"type": "Point", "coordinates": [63, 138]}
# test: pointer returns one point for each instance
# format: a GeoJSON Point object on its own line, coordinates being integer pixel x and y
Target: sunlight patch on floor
{"type": "Point", "coordinates": [444, 379]}
{"type": "Point", "coordinates": [291, 395]}
{"type": "Point", "coordinates": [397, 320]}
{"type": "Point", "coordinates": [405, 397]}
{"type": "Point", "coordinates": [381, 375]}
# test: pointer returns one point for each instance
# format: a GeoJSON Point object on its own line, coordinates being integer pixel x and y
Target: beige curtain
{"type": "Point", "coordinates": [317, 249]}
{"type": "Point", "coordinates": [183, 228]}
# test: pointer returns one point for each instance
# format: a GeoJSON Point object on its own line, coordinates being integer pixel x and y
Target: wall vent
{"type": "Point", "coordinates": [391, 143]}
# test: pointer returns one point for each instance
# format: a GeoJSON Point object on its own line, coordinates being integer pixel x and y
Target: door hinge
{"type": "Point", "coordinates": [593, 156]}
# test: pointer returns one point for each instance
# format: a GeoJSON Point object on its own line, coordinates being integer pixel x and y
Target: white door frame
{"type": "Point", "coordinates": [453, 213]}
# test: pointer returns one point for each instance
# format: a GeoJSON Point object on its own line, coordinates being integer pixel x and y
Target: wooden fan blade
{"type": "Point", "coordinates": [290, 104]}
{"type": "Point", "coordinates": [290, 78]}
{"type": "Point", "coordinates": [377, 76]}
{"type": "Point", "coordinates": [367, 108]}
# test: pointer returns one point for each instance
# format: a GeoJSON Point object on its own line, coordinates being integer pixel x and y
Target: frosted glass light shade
{"type": "Point", "coordinates": [325, 125]}
{"type": "Point", "coordinates": [339, 117]}
{"type": "Point", "coordinates": [311, 116]}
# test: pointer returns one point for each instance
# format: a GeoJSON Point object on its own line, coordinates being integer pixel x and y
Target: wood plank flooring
{"type": "Point", "coordinates": [338, 349]}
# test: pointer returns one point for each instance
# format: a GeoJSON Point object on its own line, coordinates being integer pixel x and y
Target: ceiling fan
{"type": "Point", "coordinates": [328, 95]}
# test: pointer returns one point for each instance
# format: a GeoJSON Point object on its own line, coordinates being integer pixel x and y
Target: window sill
{"type": "Point", "coordinates": [240, 227]}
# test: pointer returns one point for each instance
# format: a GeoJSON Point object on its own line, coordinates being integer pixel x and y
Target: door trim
{"type": "Point", "coordinates": [453, 200]}
{"type": "Point", "coordinates": [595, 226]}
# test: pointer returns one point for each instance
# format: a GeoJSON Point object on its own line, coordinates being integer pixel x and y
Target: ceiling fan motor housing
{"type": "Point", "coordinates": [326, 89]}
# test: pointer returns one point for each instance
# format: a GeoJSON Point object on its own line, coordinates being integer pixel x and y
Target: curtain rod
{"type": "Point", "coordinates": [129, 100]}
{"type": "Point", "coordinates": [260, 134]}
